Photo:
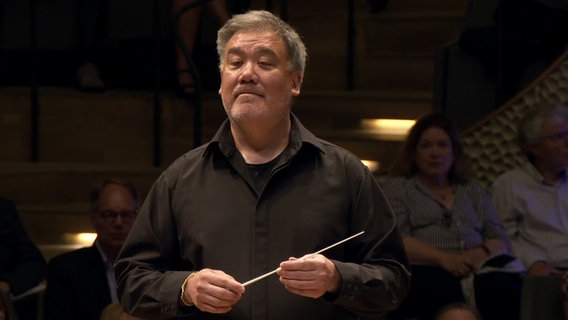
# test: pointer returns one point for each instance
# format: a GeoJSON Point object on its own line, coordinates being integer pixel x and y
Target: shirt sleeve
{"type": "Point", "coordinates": [492, 226]}
{"type": "Point", "coordinates": [395, 193]}
{"type": "Point", "coordinates": [504, 199]}
{"type": "Point", "coordinates": [147, 281]}
{"type": "Point", "coordinates": [382, 280]}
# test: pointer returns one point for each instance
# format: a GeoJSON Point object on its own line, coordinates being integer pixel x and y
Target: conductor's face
{"type": "Point", "coordinates": [256, 83]}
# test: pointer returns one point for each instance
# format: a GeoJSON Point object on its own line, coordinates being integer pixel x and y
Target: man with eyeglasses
{"type": "Point", "coordinates": [81, 283]}
{"type": "Point", "coordinates": [532, 200]}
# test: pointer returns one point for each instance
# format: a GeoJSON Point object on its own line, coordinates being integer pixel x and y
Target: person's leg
{"type": "Point", "coordinates": [187, 28]}
{"type": "Point", "coordinates": [498, 295]}
{"type": "Point", "coordinates": [219, 10]}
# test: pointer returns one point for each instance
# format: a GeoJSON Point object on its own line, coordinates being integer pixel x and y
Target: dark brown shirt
{"type": "Point", "coordinates": [205, 211]}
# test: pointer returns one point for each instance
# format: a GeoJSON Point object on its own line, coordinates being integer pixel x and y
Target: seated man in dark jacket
{"type": "Point", "coordinates": [80, 283]}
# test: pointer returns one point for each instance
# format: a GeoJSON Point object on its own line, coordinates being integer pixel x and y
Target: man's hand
{"type": "Point", "coordinates": [543, 268]}
{"type": "Point", "coordinates": [476, 256]}
{"type": "Point", "coordinates": [213, 291]}
{"type": "Point", "coordinates": [311, 276]}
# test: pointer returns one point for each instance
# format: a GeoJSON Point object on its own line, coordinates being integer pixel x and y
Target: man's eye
{"type": "Point", "coordinates": [235, 63]}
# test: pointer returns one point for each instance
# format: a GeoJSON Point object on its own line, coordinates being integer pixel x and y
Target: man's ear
{"type": "Point", "coordinates": [296, 83]}
{"type": "Point", "coordinates": [221, 78]}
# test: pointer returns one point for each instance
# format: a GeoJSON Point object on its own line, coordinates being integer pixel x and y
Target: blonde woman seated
{"type": "Point", "coordinates": [458, 249]}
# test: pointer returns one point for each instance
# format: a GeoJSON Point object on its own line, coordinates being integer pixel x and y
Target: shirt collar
{"type": "Point", "coordinates": [223, 140]}
{"type": "Point", "coordinates": [537, 176]}
{"type": "Point", "coordinates": [102, 253]}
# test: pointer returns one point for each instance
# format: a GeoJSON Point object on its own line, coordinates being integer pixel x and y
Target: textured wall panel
{"type": "Point", "coordinates": [492, 144]}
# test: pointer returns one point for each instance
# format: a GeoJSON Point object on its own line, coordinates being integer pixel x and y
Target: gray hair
{"type": "Point", "coordinates": [530, 127]}
{"type": "Point", "coordinates": [261, 20]}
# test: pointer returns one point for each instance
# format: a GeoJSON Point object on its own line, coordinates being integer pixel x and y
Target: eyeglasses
{"type": "Point", "coordinates": [109, 216]}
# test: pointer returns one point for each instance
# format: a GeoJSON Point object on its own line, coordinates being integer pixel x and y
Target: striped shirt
{"type": "Point", "coordinates": [471, 221]}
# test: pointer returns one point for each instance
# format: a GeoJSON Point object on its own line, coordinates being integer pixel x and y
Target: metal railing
{"type": "Point", "coordinates": [35, 106]}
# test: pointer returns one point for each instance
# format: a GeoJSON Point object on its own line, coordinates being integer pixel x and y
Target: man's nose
{"type": "Point", "coordinates": [248, 73]}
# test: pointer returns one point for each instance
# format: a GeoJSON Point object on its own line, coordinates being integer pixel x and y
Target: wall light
{"type": "Point", "coordinates": [392, 129]}
{"type": "Point", "coordinates": [80, 240]}
{"type": "Point", "coordinates": [372, 165]}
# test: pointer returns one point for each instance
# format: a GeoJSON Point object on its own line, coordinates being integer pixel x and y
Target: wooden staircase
{"type": "Point", "coordinates": [86, 137]}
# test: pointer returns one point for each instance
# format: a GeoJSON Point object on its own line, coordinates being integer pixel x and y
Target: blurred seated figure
{"type": "Point", "coordinates": [532, 200]}
{"type": "Point", "coordinates": [188, 29]}
{"type": "Point", "coordinates": [22, 266]}
{"type": "Point", "coordinates": [458, 249]}
{"type": "Point", "coordinates": [81, 283]}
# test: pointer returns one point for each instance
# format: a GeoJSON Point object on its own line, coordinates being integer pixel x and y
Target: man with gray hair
{"type": "Point", "coordinates": [259, 201]}
{"type": "Point", "coordinates": [532, 200]}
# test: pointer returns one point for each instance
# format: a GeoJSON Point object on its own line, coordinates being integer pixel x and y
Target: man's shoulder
{"type": "Point", "coordinates": [5, 202]}
{"type": "Point", "coordinates": [396, 181]}
{"type": "Point", "coordinates": [511, 175]}
{"type": "Point", "coordinates": [79, 256]}
{"type": "Point", "coordinates": [333, 150]}
{"type": "Point", "coordinates": [397, 185]}
{"type": "Point", "coordinates": [8, 213]}
{"type": "Point", "coordinates": [188, 157]}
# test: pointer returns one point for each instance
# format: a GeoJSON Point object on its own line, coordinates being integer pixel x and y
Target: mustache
{"type": "Point", "coordinates": [247, 88]}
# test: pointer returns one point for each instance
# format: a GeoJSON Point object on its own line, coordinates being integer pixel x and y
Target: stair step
{"type": "Point", "coordinates": [42, 183]}
{"type": "Point", "coordinates": [396, 72]}
{"type": "Point", "coordinates": [115, 128]}
{"type": "Point", "coordinates": [298, 6]}
{"type": "Point", "coordinates": [434, 5]}
{"type": "Point", "coordinates": [43, 225]}
{"type": "Point", "coordinates": [53, 198]}
{"type": "Point", "coordinates": [401, 43]}
{"type": "Point", "coordinates": [408, 32]}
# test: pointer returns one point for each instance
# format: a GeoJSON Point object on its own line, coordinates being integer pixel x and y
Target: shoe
{"type": "Point", "coordinates": [88, 78]}
{"type": "Point", "coordinates": [186, 86]}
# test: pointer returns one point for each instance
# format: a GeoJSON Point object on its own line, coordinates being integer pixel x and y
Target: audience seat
{"type": "Point", "coordinates": [541, 298]}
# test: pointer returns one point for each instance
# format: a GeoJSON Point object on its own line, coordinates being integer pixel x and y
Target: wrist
{"type": "Point", "coordinates": [335, 280]}
{"type": "Point", "coordinates": [485, 249]}
{"type": "Point", "coordinates": [184, 301]}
